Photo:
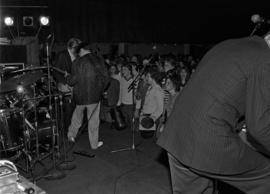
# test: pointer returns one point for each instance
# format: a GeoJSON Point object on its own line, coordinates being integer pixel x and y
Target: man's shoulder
{"type": "Point", "coordinates": [91, 57]}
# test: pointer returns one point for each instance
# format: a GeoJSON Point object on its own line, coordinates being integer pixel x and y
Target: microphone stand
{"type": "Point", "coordinates": [137, 78]}
{"type": "Point", "coordinates": [132, 87]}
{"type": "Point", "coordinates": [257, 26]}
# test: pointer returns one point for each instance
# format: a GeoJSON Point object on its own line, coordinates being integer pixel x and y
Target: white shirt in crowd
{"type": "Point", "coordinates": [154, 101]}
{"type": "Point", "coordinates": [125, 97]}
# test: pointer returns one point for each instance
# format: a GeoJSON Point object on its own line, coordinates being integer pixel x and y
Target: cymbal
{"type": "Point", "coordinates": [30, 69]}
{"type": "Point", "coordinates": [6, 69]}
{"type": "Point", "coordinates": [24, 80]}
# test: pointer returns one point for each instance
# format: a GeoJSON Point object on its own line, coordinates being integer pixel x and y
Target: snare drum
{"type": "Point", "coordinates": [11, 129]}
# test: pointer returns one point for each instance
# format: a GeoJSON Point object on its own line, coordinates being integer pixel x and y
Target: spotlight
{"type": "Point", "coordinates": [20, 89]}
{"type": "Point", "coordinates": [28, 21]}
{"type": "Point", "coordinates": [44, 20]}
{"type": "Point", "coordinates": [9, 21]}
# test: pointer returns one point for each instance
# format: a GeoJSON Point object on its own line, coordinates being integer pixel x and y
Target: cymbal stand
{"type": "Point", "coordinates": [65, 165]}
{"type": "Point", "coordinates": [56, 134]}
{"type": "Point", "coordinates": [36, 122]}
{"type": "Point", "coordinates": [49, 77]}
{"type": "Point", "coordinates": [26, 139]}
{"type": "Point", "coordinates": [55, 174]}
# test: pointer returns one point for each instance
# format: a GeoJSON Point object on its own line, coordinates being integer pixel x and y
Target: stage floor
{"type": "Point", "coordinates": [141, 171]}
{"type": "Point", "coordinates": [144, 170]}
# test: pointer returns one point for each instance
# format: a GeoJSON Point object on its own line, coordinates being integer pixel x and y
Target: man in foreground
{"type": "Point", "coordinates": [231, 81]}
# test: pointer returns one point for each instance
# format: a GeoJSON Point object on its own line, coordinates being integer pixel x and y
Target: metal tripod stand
{"type": "Point", "coordinates": [133, 146]}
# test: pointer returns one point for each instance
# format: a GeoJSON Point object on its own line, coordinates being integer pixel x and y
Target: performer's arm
{"type": "Point", "coordinates": [258, 109]}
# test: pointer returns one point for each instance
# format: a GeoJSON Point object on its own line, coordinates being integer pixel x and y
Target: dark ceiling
{"type": "Point", "coordinates": [187, 21]}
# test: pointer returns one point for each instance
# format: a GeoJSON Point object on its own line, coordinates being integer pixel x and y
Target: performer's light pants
{"type": "Point", "coordinates": [93, 122]}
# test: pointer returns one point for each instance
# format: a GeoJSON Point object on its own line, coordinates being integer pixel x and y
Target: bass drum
{"type": "Point", "coordinates": [11, 129]}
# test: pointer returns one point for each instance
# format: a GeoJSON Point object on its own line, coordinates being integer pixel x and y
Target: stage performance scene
{"type": "Point", "coordinates": [127, 97]}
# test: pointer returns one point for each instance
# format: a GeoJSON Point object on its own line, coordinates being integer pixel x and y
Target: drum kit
{"type": "Point", "coordinates": [29, 115]}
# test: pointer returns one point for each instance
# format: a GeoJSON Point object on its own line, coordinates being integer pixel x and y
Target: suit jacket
{"type": "Point", "coordinates": [89, 79]}
{"type": "Point", "coordinates": [63, 61]}
{"type": "Point", "coordinates": [231, 81]}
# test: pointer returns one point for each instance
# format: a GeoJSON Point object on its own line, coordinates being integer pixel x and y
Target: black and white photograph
{"type": "Point", "coordinates": [134, 97]}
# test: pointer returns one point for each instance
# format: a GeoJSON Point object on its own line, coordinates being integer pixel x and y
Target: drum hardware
{"type": "Point", "coordinates": [29, 129]}
{"type": "Point", "coordinates": [55, 173]}
{"type": "Point", "coordinates": [11, 130]}
{"type": "Point", "coordinates": [65, 164]}
{"type": "Point", "coordinates": [21, 96]}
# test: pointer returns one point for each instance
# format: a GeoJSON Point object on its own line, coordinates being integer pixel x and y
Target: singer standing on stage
{"type": "Point", "coordinates": [89, 79]}
{"type": "Point", "coordinates": [231, 81]}
{"type": "Point", "coordinates": [64, 62]}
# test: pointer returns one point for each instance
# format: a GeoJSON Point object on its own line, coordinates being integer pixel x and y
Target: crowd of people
{"type": "Point", "coordinates": [142, 89]}
{"type": "Point", "coordinates": [147, 89]}
{"type": "Point", "coordinates": [138, 87]}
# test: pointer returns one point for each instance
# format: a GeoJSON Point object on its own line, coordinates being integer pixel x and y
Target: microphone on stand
{"type": "Point", "coordinates": [258, 21]}
{"type": "Point", "coordinates": [256, 18]}
{"type": "Point", "coordinates": [49, 36]}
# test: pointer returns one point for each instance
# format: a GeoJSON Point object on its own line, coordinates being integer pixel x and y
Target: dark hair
{"type": "Point", "coordinates": [127, 66]}
{"type": "Point", "coordinates": [133, 64]}
{"type": "Point", "coordinates": [114, 65]}
{"type": "Point", "coordinates": [83, 45]}
{"type": "Point", "coordinates": [171, 61]}
{"type": "Point", "coordinates": [175, 79]}
{"type": "Point", "coordinates": [157, 76]}
{"type": "Point", "coordinates": [73, 42]}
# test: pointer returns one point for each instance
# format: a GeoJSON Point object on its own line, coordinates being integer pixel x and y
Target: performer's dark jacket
{"type": "Point", "coordinates": [231, 81]}
{"type": "Point", "coordinates": [63, 62]}
{"type": "Point", "coordinates": [89, 79]}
